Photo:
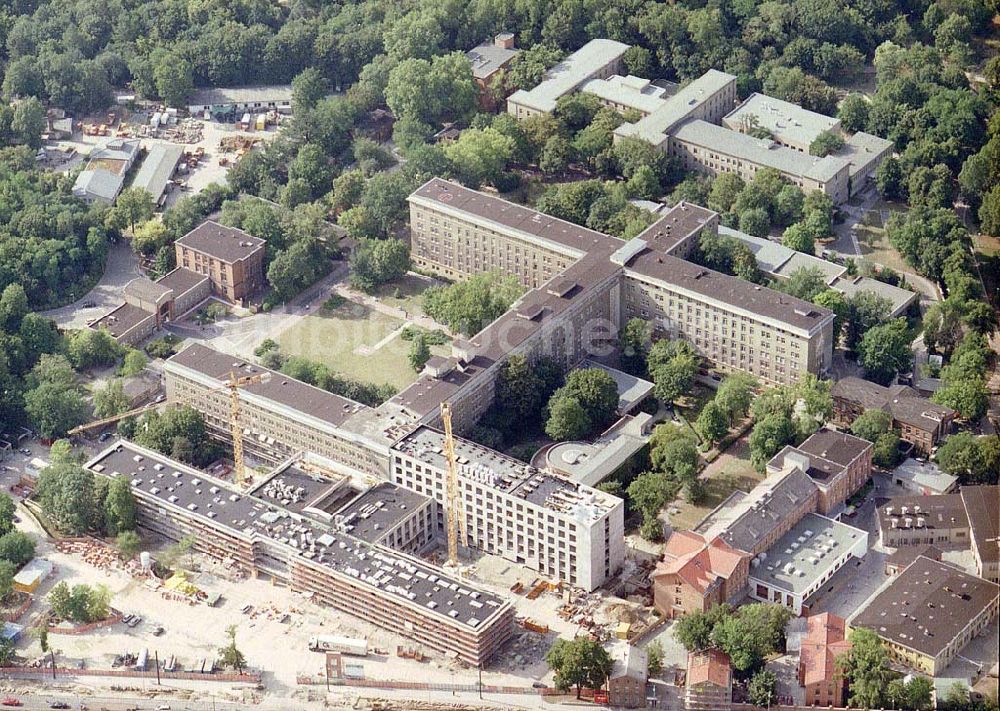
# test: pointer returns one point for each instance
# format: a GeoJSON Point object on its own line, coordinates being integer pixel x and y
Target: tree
{"type": "Point", "coordinates": [673, 365]}
{"type": "Point", "coordinates": [805, 282]}
{"type": "Point", "coordinates": [420, 353]}
{"type": "Point", "coordinates": [876, 427]}
{"type": "Point", "coordinates": [633, 343]}
{"type": "Point", "coordinates": [296, 268]}
{"type": "Point", "coordinates": [725, 189]}
{"type": "Point", "coordinates": [799, 238]}
{"type": "Point", "coordinates": [865, 667]}
{"type": "Point", "coordinates": [750, 634]}
{"type": "Point", "coordinates": [110, 400]}
{"type": "Point", "coordinates": [480, 156]}
{"type": "Point", "coordinates": [521, 390]}
{"type": "Point", "coordinates": [972, 459]}
{"type": "Point", "coordinates": [128, 544]}
{"type": "Point", "coordinates": [989, 212]}
{"type": "Point", "coordinates": [825, 143]}
{"type": "Point", "coordinates": [654, 657]}
{"type": "Point", "coordinates": [7, 509]}
{"type": "Point", "coordinates": [7, 572]}
{"type": "Point", "coordinates": [308, 87]}
{"type": "Point", "coordinates": [694, 631]}
{"type": "Point", "coordinates": [54, 410]}
{"type": "Point", "coordinates": [568, 419]}
{"type": "Point", "coordinates": [174, 81]}
{"type": "Point", "coordinates": [836, 302]}
{"type": "Point", "coordinates": [763, 688]}
{"type": "Point", "coordinates": [769, 435]}
{"type": "Point", "coordinates": [556, 155]}
{"type": "Point", "coordinates": [884, 350]}
{"type": "Point", "coordinates": [68, 496]}
{"type": "Point", "coordinates": [132, 206]}
{"type": "Point", "coordinates": [17, 547]}
{"type": "Point", "coordinates": [595, 390]}
{"type": "Point", "coordinates": [755, 221]}
{"type": "Point", "coordinates": [90, 348]}
{"type": "Point", "coordinates": [135, 362]}
{"type": "Point", "coordinates": [579, 662]}
{"type": "Point", "coordinates": [865, 311]}
{"type": "Point", "coordinates": [734, 395]}
{"type": "Point", "coordinates": [470, 305]}
{"type": "Point", "coordinates": [853, 113]}
{"type": "Point", "coordinates": [376, 262]}
{"type": "Point", "coordinates": [711, 423]}
{"type": "Point", "coordinates": [230, 655]}
{"type": "Point", "coordinates": [889, 179]}
{"type": "Point", "coordinates": [119, 507]}
{"type": "Point", "coordinates": [648, 494]}
{"type": "Point", "coordinates": [81, 603]}
{"type": "Point", "coordinates": [28, 122]}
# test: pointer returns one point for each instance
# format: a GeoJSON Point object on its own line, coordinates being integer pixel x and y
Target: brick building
{"type": "Point", "coordinates": [923, 520]}
{"type": "Point", "coordinates": [981, 505]}
{"type": "Point", "coordinates": [627, 681]}
{"type": "Point", "coordinates": [709, 682]}
{"type": "Point", "coordinates": [825, 640]}
{"type": "Point", "coordinates": [838, 463]}
{"type": "Point", "coordinates": [232, 259]}
{"type": "Point", "coordinates": [695, 574]}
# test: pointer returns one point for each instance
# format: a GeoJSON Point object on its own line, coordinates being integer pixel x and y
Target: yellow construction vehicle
{"type": "Point", "coordinates": [234, 384]}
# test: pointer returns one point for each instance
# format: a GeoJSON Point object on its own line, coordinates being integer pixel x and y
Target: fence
{"type": "Point", "coordinates": [14, 614]}
{"type": "Point", "coordinates": [247, 677]}
{"type": "Point", "coordinates": [114, 618]}
{"type": "Point", "coordinates": [416, 685]}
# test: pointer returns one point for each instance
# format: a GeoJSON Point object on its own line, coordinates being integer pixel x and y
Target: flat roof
{"type": "Point", "coordinates": [943, 511]}
{"type": "Point", "coordinates": [276, 93]}
{"type": "Point", "coordinates": [631, 390]}
{"type": "Point", "coordinates": [377, 511]}
{"type": "Point", "coordinates": [631, 91]}
{"type": "Point", "coordinates": [393, 573]}
{"type": "Point", "coordinates": [570, 73]}
{"type": "Point", "coordinates": [801, 260]}
{"type": "Point", "coordinates": [926, 475]}
{"type": "Point", "coordinates": [807, 553]}
{"type": "Point", "coordinates": [760, 151]}
{"type": "Point", "coordinates": [181, 280]}
{"type": "Point", "coordinates": [122, 319]}
{"type": "Point", "coordinates": [770, 255]}
{"type": "Point", "coordinates": [863, 148]}
{"type": "Point", "coordinates": [279, 388]}
{"type": "Point", "coordinates": [508, 475]}
{"type": "Point", "coordinates": [787, 122]}
{"type": "Point", "coordinates": [591, 462]}
{"type": "Point", "coordinates": [655, 127]}
{"type": "Point", "coordinates": [309, 493]}
{"type": "Point", "coordinates": [839, 447]}
{"type": "Point", "coordinates": [926, 606]}
{"type": "Point", "coordinates": [899, 298]}
{"type": "Point", "coordinates": [227, 244]}
{"type": "Point", "coordinates": [982, 504]}
{"type": "Point", "coordinates": [676, 224]}
{"type": "Point", "coordinates": [488, 58]}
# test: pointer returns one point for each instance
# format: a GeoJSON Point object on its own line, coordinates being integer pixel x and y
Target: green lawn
{"type": "Point", "coordinates": [875, 244]}
{"type": "Point", "coordinates": [405, 293]}
{"type": "Point", "coordinates": [731, 471]}
{"type": "Point", "coordinates": [355, 341]}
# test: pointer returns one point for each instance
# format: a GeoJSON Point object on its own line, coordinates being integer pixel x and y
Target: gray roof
{"type": "Point", "coordinates": [591, 462]}
{"type": "Point", "coordinates": [862, 148]}
{"type": "Point", "coordinates": [633, 92]}
{"type": "Point", "coordinates": [147, 290]}
{"type": "Point", "coordinates": [770, 255]}
{"type": "Point", "coordinates": [806, 553]}
{"type": "Point", "coordinates": [122, 319]}
{"type": "Point", "coordinates": [900, 299]}
{"type": "Point", "coordinates": [981, 505]}
{"type": "Point", "coordinates": [942, 511]}
{"type": "Point", "coordinates": [926, 475]}
{"type": "Point", "coordinates": [181, 280]}
{"type": "Point", "coordinates": [98, 184]}
{"type": "Point", "coordinates": [759, 151]}
{"type": "Point", "coordinates": [488, 58]}
{"type": "Point", "coordinates": [801, 260]}
{"type": "Point", "coordinates": [280, 388]}
{"type": "Point", "coordinates": [567, 76]}
{"type": "Point", "coordinates": [377, 511]}
{"type": "Point", "coordinates": [123, 149]}
{"type": "Point", "coordinates": [789, 123]}
{"type": "Point", "coordinates": [926, 606]}
{"type": "Point", "coordinates": [839, 447]}
{"type": "Point", "coordinates": [655, 127]}
{"type": "Point", "coordinates": [754, 516]}
{"type": "Point", "coordinates": [198, 494]}
{"type": "Point", "coordinates": [508, 475]}
{"type": "Point", "coordinates": [281, 93]}
{"type": "Point", "coordinates": [157, 168]}
{"type": "Point", "coordinates": [227, 244]}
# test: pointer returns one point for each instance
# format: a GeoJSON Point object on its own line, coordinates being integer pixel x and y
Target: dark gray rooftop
{"type": "Point", "coordinates": [280, 388]}
{"type": "Point", "coordinates": [488, 58]}
{"type": "Point", "coordinates": [393, 573]}
{"type": "Point", "coordinates": [122, 319]}
{"type": "Point", "coordinates": [926, 606]}
{"type": "Point", "coordinates": [982, 504]}
{"type": "Point", "coordinates": [838, 447]}
{"type": "Point", "coordinates": [378, 510]}
{"type": "Point", "coordinates": [930, 512]}
{"type": "Point", "coordinates": [227, 244]}
{"type": "Point", "coordinates": [181, 280]}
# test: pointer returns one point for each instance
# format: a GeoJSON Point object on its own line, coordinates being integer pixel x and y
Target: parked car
{"type": "Point", "coordinates": [105, 436]}
{"type": "Point", "coordinates": [59, 705]}
{"type": "Point", "coordinates": [11, 701]}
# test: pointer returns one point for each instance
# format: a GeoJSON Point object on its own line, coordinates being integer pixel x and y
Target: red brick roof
{"type": "Point", "coordinates": [698, 562]}
{"type": "Point", "coordinates": [824, 641]}
{"type": "Point", "coordinates": [710, 666]}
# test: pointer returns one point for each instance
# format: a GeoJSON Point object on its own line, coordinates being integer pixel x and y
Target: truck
{"type": "Point", "coordinates": [343, 645]}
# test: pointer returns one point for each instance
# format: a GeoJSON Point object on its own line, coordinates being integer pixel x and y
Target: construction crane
{"type": "Point", "coordinates": [233, 385]}
{"type": "Point", "coordinates": [454, 497]}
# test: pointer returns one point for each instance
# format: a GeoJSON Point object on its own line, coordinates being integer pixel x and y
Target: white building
{"type": "Point", "coordinates": [804, 559]}
{"type": "Point", "coordinates": [564, 530]}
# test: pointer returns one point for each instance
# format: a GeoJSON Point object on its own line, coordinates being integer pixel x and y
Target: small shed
{"type": "Point", "coordinates": [31, 575]}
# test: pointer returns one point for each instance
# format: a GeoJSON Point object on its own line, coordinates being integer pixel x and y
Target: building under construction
{"type": "Point", "coordinates": [325, 533]}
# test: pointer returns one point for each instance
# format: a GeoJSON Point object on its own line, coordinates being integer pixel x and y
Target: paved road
{"type": "Point", "coordinates": [121, 268]}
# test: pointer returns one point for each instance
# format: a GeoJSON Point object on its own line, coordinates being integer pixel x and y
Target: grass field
{"type": "Point", "coordinates": [875, 244]}
{"type": "Point", "coordinates": [356, 341]}
{"type": "Point", "coordinates": [731, 471]}
{"type": "Point", "coordinates": [405, 293]}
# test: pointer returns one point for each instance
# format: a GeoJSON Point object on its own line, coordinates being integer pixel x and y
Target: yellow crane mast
{"type": "Point", "coordinates": [452, 494]}
{"type": "Point", "coordinates": [233, 385]}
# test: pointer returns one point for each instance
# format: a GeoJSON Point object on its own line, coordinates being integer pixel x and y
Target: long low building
{"type": "Point", "coordinates": [928, 613]}
{"type": "Point", "coordinates": [265, 534]}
